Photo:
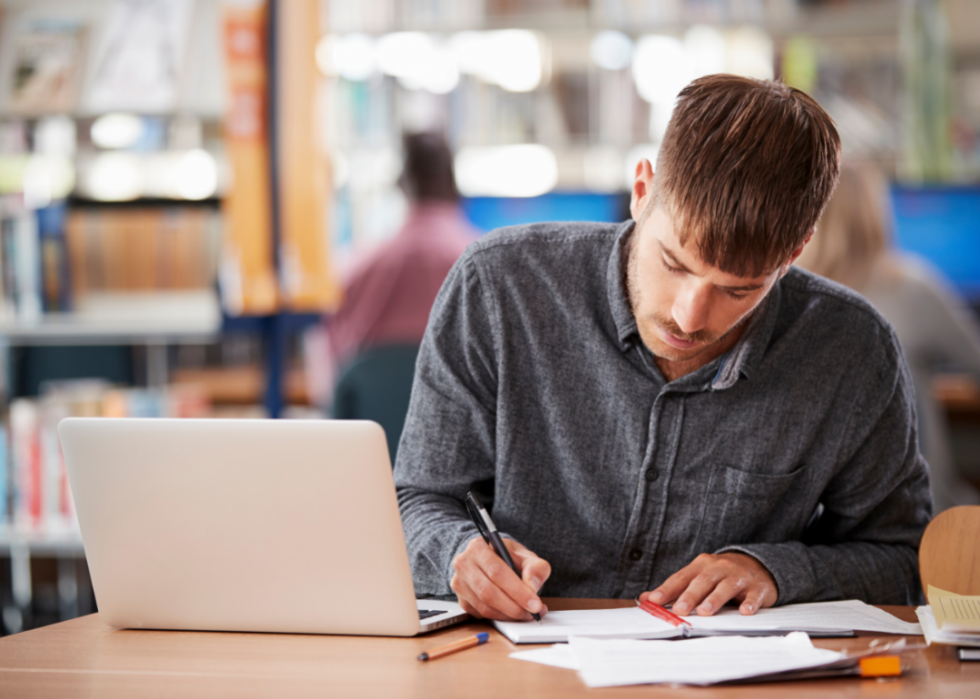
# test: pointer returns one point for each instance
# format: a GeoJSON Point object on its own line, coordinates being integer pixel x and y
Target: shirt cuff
{"type": "Point", "coordinates": [464, 540]}
{"type": "Point", "coordinates": [790, 571]}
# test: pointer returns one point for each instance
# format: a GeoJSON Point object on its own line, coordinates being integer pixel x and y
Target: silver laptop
{"type": "Point", "coordinates": [244, 525]}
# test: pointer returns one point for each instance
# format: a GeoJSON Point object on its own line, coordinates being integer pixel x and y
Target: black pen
{"type": "Point", "coordinates": [488, 530]}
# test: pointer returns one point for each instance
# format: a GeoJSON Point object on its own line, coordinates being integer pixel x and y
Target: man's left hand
{"type": "Point", "coordinates": [711, 580]}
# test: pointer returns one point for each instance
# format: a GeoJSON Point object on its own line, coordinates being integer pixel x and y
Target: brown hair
{"type": "Point", "coordinates": [853, 233]}
{"type": "Point", "coordinates": [746, 166]}
{"type": "Point", "coordinates": [427, 174]}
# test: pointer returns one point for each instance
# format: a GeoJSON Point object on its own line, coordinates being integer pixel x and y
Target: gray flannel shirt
{"type": "Point", "coordinates": [533, 387]}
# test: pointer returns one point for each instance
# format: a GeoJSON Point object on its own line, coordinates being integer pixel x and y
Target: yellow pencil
{"type": "Point", "coordinates": [465, 643]}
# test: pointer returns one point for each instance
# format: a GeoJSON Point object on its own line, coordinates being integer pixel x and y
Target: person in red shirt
{"type": "Point", "coordinates": [373, 338]}
{"type": "Point", "coordinates": [389, 294]}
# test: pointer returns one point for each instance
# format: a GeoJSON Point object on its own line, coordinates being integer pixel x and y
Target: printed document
{"type": "Point", "coordinates": [700, 661]}
{"type": "Point", "coordinates": [950, 619]}
{"type": "Point", "coordinates": [955, 613]}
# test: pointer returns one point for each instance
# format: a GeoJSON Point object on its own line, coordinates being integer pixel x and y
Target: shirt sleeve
{"type": "Point", "coordinates": [864, 544]}
{"type": "Point", "coordinates": [448, 443]}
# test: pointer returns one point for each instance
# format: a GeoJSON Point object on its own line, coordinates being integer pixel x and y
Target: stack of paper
{"type": "Point", "coordinates": [703, 661]}
{"type": "Point", "coordinates": [820, 618]}
{"type": "Point", "coordinates": [950, 619]}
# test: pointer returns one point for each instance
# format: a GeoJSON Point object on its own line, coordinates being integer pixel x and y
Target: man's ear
{"type": "Point", "coordinates": [797, 252]}
{"type": "Point", "coordinates": [642, 188]}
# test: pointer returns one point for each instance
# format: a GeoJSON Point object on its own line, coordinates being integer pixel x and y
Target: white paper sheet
{"type": "Point", "coordinates": [700, 661]}
{"type": "Point", "coordinates": [632, 622]}
{"type": "Point", "coordinates": [558, 655]}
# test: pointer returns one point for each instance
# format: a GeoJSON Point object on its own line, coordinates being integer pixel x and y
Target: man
{"type": "Point", "coordinates": [668, 409]}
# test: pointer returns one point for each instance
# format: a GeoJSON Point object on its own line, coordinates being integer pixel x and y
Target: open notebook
{"type": "Point", "coordinates": [816, 619]}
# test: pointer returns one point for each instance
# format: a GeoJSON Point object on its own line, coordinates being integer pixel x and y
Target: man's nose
{"type": "Point", "coordinates": [691, 308]}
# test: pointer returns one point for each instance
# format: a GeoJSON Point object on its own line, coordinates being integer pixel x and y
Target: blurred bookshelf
{"type": "Point", "coordinates": [162, 225]}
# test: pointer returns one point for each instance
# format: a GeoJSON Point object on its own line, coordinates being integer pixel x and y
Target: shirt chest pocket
{"type": "Point", "coordinates": [741, 507]}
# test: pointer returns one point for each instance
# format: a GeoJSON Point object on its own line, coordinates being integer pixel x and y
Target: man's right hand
{"type": "Point", "coordinates": [488, 588]}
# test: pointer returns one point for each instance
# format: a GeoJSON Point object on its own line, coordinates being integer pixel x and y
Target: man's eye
{"type": "Point", "coordinates": [668, 266]}
{"type": "Point", "coordinates": [735, 295]}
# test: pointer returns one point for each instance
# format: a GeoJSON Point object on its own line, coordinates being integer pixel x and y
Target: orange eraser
{"type": "Point", "coordinates": [881, 666]}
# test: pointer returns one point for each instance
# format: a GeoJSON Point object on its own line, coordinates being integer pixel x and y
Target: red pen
{"type": "Point", "coordinates": [661, 613]}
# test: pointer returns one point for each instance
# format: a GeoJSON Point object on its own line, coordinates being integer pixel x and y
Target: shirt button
{"type": "Point", "coordinates": [652, 475]}
{"type": "Point", "coordinates": [636, 554]}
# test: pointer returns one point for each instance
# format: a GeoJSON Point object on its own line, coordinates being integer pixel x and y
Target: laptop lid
{"type": "Point", "coordinates": [241, 525]}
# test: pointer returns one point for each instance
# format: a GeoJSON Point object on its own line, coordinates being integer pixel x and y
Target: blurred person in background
{"type": "Point", "coordinates": [374, 336]}
{"type": "Point", "coordinates": [388, 295]}
{"type": "Point", "coordinates": [853, 246]}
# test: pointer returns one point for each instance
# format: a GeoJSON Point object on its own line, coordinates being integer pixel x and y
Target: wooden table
{"type": "Point", "coordinates": [85, 658]}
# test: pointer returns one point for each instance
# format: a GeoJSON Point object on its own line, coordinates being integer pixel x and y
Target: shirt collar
{"type": "Point", "coordinates": [746, 355]}
{"type": "Point", "coordinates": [619, 302]}
{"type": "Point", "coordinates": [740, 360]}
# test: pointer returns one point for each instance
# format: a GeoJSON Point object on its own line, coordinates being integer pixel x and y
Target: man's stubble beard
{"type": "Point", "coordinates": [704, 337]}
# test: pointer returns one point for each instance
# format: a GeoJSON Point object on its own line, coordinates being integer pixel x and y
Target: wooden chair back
{"type": "Point", "coordinates": [949, 555]}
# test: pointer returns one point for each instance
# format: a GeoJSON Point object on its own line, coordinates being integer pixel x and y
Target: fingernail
{"type": "Point", "coordinates": [657, 597]}
{"type": "Point", "coordinates": [705, 607]}
{"type": "Point", "coordinates": [747, 608]}
{"type": "Point", "coordinates": [534, 606]}
{"type": "Point", "coordinates": [681, 608]}
{"type": "Point", "coordinates": [536, 583]}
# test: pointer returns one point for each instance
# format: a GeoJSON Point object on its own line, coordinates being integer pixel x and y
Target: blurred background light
{"type": "Point", "coordinates": [512, 58]}
{"type": "Point", "coordinates": [418, 61]}
{"type": "Point", "coordinates": [661, 68]}
{"type": "Point", "coordinates": [116, 130]}
{"type": "Point", "coordinates": [351, 56]}
{"type": "Point", "coordinates": [115, 177]}
{"type": "Point", "coordinates": [525, 170]}
{"type": "Point", "coordinates": [603, 169]}
{"type": "Point", "coordinates": [46, 179]}
{"type": "Point", "coordinates": [749, 52]}
{"type": "Point", "coordinates": [401, 53]}
{"type": "Point", "coordinates": [55, 135]}
{"type": "Point", "coordinates": [705, 48]}
{"type": "Point", "coordinates": [472, 52]}
{"type": "Point", "coordinates": [611, 50]}
{"type": "Point", "coordinates": [517, 60]}
{"type": "Point", "coordinates": [195, 175]}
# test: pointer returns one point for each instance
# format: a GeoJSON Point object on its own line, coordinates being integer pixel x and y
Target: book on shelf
{"type": "Point", "coordinates": [56, 294]}
{"type": "Point", "coordinates": [20, 262]}
{"type": "Point", "coordinates": [31, 462]}
{"type": "Point", "coordinates": [142, 249]}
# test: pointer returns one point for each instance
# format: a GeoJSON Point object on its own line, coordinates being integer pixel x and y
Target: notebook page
{"type": "Point", "coordinates": [846, 615]}
{"type": "Point", "coordinates": [556, 627]}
